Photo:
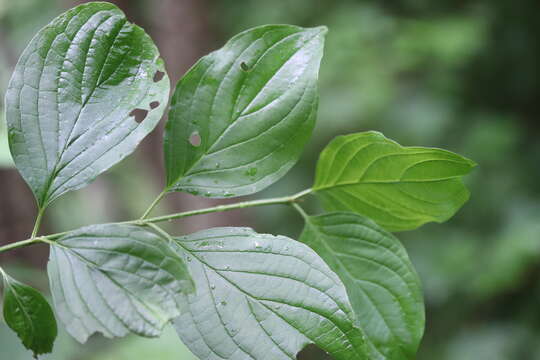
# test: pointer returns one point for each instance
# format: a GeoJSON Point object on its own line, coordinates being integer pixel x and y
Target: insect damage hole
{"type": "Point", "coordinates": [158, 76]}
{"type": "Point", "coordinates": [154, 104]}
{"type": "Point", "coordinates": [139, 115]}
{"type": "Point", "coordinates": [313, 352]}
{"type": "Point", "coordinates": [195, 139]}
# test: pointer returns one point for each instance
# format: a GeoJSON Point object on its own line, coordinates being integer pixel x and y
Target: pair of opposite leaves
{"type": "Point", "coordinates": [253, 104]}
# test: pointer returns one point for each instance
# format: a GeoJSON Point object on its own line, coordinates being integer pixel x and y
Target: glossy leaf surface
{"type": "Point", "coordinates": [116, 279]}
{"type": "Point", "coordinates": [241, 116]}
{"type": "Point", "coordinates": [262, 297]}
{"type": "Point", "coordinates": [383, 287]}
{"type": "Point", "coordinates": [29, 314]}
{"type": "Point", "coordinates": [399, 187]}
{"type": "Point", "coordinates": [71, 98]}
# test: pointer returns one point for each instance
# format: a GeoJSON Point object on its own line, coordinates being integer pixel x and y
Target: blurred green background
{"type": "Point", "coordinates": [458, 74]}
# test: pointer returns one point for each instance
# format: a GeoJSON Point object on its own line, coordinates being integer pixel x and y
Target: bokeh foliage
{"type": "Point", "coordinates": [462, 75]}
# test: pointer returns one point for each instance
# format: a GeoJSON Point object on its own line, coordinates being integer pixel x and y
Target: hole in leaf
{"type": "Point", "coordinates": [154, 104]}
{"type": "Point", "coordinates": [158, 76]}
{"type": "Point", "coordinates": [139, 115]}
{"type": "Point", "coordinates": [245, 67]}
{"type": "Point", "coordinates": [195, 139]}
{"type": "Point", "coordinates": [312, 352]}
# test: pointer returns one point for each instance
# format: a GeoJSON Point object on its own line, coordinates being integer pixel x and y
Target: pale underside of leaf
{"type": "Point", "coordinates": [262, 297]}
{"type": "Point", "coordinates": [116, 279]}
{"type": "Point", "coordinates": [383, 287]}
{"type": "Point", "coordinates": [399, 187]}
{"type": "Point", "coordinates": [253, 104]}
{"type": "Point", "coordinates": [69, 101]}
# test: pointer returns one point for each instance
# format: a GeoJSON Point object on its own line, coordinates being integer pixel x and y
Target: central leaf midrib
{"type": "Point", "coordinates": [23, 309]}
{"type": "Point", "coordinates": [381, 182]}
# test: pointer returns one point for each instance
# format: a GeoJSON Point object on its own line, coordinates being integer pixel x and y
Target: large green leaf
{"type": "Point", "coordinates": [28, 314]}
{"type": "Point", "coordinates": [262, 297]}
{"type": "Point", "coordinates": [399, 187]}
{"type": "Point", "coordinates": [241, 116]}
{"type": "Point", "coordinates": [382, 284]}
{"type": "Point", "coordinates": [69, 101]}
{"type": "Point", "coordinates": [114, 279]}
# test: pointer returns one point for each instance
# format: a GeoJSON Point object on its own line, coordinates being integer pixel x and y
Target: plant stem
{"type": "Point", "coordinates": [153, 204]}
{"type": "Point", "coordinates": [300, 211]}
{"type": "Point", "coordinates": [37, 224]}
{"type": "Point", "coordinates": [285, 200]}
{"type": "Point", "coordinates": [220, 208]}
{"type": "Point", "coordinates": [19, 244]}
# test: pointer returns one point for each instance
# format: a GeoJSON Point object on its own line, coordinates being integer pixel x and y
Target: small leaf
{"type": "Point", "coordinates": [69, 100]}
{"type": "Point", "coordinates": [28, 314]}
{"type": "Point", "coordinates": [114, 279]}
{"type": "Point", "coordinates": [382, 284]}
{"type": "Point", "coordinates": [399, 187]}
{"type": "Point", "coordinates": [253, 104]}
{"type": "Point", "coordinates": [262, 297]}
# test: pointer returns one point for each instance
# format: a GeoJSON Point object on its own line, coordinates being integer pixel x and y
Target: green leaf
{"type": "Point", "coordinates": [399, 187]}
{"type": "Point", "coordinates": [114, 279]}
{"type": "Point", "coordinates": [28, 314]}
{"type": "Point", "coordinates": [262, 297]}
{"type": "Point", "coordinates": [241, 116]}
{"type": "Point", "coordinates": [382, 284]}
{"type": "Point", "coordinates": [69, 101]}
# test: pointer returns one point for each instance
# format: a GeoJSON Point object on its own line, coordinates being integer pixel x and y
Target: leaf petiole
{"type": "Point", "coordinates": [154, 204]}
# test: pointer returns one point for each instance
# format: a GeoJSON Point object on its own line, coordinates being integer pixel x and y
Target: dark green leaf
{"type": "Point", "coordinates": [262, 297]}
{"type": "Point", "coordinates": [382, 284]}
{"type": "Point", "coordinates": [241, 116]}
{"type": "Point", "coordinates": [399, 187]}
{"type": "Point", "coordinates": [114, 279]}
{"type": "Point", "coordinates": [28, 314]}
{"type": "Point", "coordinates": [69, 101]}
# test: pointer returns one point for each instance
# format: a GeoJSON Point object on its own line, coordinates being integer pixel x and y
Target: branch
{"type": "Point", "coordinates": [285, 200]}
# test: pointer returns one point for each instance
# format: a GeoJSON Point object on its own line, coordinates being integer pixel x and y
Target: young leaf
{"type": "Point", "coordinates": [241, 116]}
{"type": "Point", "coordinates": [114, 279]}
{"type": "Point", "coordinates": [382, 284]}
{"type": "Point", "coordinates": [28, 314]}
{"type": "Point", "coordinates": [399, 187]}
{"type": "Point", "coordinates": [262, 297]}
{"type": "Point", "coordinates": [70, 101]}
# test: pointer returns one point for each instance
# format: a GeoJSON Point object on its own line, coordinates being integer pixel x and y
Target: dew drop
{"type": "Point", "coordinates": [212, 286]}
{"type": "Point", "coordinates": [189, 259]}
{"type": "Point", "coordinates": [251, 172]}
{"type": "Point", "coordinates": [223, 303]}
